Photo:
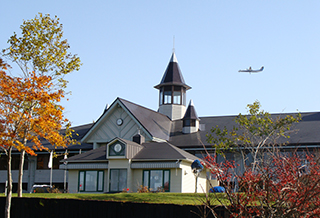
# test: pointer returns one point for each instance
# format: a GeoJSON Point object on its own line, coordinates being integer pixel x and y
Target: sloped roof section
{"type": "Point", "coordinates": [191, 112]}
{"type": "Point", "coordinates": [79, 132]}
{"type": "Point", "coordinates": [98, 154]}
{"type": "Point", "coordinates": [157, 124]}
{"type": "Point", "coordinates": [172, 75]}
{"type": "Point", "coordinates": [162, 151]}
{"type": "Point", "coordinates": [306, 132]}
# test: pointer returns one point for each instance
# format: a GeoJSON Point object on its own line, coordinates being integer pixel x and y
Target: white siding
{"type": "Point", "coordinates": [108, 128]}
{"type": "Point", "coordinates": [43, 176]}
{"type": "Point", "coordinates": [188, 179]}
{"type": "Point", "coordinates": [175, 112]}
{"type": "Point", "coordinates": [15, 174]}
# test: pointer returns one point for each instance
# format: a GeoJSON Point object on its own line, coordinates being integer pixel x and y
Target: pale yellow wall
{"type": "Point", "coordinates": [118, 163]}
{"type": "Point", "coordinates": [73, 181]}
{"type": "Point", "coordinates": [136, 180]}
{"type": "Point", "coordinates": [175, 180]}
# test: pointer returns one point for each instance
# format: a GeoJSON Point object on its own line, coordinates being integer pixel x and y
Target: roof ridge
{"type": "Point", "coordinates": [121, 99]}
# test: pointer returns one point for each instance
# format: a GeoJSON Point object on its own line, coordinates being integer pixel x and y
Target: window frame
{"type": "Point", "coordinates": [163, 178]}
{"type": "Point", "coordinates": [172, 95]}
{"type": "Point", "coordinates": [82, 188]}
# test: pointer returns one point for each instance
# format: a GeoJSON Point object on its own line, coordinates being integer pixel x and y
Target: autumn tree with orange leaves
{"type": "Point", "coordinates": [43, 119]}
{"type": "Point", "coordinates": [30, 109]}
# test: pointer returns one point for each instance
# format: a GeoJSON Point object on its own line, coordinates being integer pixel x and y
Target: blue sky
{"type": "Point", "coordinates": [125, 47]}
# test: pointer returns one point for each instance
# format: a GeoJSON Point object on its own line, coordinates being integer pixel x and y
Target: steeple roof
{"type": "Point", "coordinates": [172, 75]}
{"type": "Point", "coordinates": [191, 112]}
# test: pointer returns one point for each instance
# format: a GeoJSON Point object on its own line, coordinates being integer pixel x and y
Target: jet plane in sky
{"type": "Point", "coordinates": [250, 70]}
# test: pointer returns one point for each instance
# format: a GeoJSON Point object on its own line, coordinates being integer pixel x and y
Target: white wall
{"type": "Point", "coordinates": [188, 179]}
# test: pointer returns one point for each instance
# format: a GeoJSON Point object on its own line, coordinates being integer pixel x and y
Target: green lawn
{"type": "Point", "coordinates": [164, 198]}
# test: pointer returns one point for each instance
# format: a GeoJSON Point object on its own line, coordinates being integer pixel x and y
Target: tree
{"type": "Point", "coordinates": [40, 51]}
{"type": "Point", "coordinates": [289, 187]}
{"type": "Point", "coordinates": [273, 183]}
{"type": "Point", "coordinates": [44, 117]}
{"type": "Point", "coordinates": [254, 134]}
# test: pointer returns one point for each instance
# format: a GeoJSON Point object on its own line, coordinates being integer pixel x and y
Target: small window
{"type": "Point", "coordinates": [167, 97]}
{"type": "Point", "coordinates": [161, 96]}
{"type": "Point", "coordinates": [177, 97]}
{"type": "Point", "coordinates": [189, 122]}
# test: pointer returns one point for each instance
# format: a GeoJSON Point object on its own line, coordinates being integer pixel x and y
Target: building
{"type": "Point", "coordinates": [131, 146]}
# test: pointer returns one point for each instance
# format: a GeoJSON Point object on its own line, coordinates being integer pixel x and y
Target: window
{"type": "Point", "coordinates": [157, 180]}
{"type": "Point", "coordinates": [90, 181]}
{"type": "Point", "coordinates": [118, 180]}
{"type": "Point", "coordinates": [42, 161]}
{"type": "Point", "coordinates": [117, 149]}
{"type": "Point", "coordinates": [189, 122]}
{"type": "Point", "coordinates": [15, 161]}
{"type": "Point", "coordinates": [167, 95]}
{"type": "Point", "coordinates": [161, 97]}
{"type": "Point", "coordinates": [177, 95]}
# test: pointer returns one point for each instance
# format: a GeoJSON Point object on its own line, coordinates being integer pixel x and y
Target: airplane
{"type": "Point", "coordinates": [249, 70]}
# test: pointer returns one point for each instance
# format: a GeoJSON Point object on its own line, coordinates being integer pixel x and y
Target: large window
{"type": "Point", "coordinates": [90, 181]}
{"type": "Point", "coordinates": [118, 180]}
{"type": "Point", "coordinates": [157, 180]}
{"type": "Point", "coordinates": [15, 161]}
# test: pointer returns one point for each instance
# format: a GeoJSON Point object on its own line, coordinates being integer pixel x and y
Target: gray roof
{"type": "Point", "coordinates": [98, 154]}
{"type": "Point", "coordinates": [162, 151]}
{"type": "Point", "coordinates": [151, 151]}
{"type": "Point", "coordinates": [306, 131]}
{"type": "Point", "coordinates": [157, 124]}
{"type": "Point", "coordinates": [191, 112]}
{"type": "Point", "coordinates": [79, 132]}
{"type": "Point", "coordinates": [172, 75]}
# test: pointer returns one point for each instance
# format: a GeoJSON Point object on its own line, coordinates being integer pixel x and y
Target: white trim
{"type": "Point", "coordinates": [155, 165]}
{"type": "Point", "coordinates": [81, 166]}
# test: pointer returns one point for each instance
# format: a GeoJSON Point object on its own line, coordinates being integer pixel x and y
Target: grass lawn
{"type": "Point", "coordinates": [163, 198]}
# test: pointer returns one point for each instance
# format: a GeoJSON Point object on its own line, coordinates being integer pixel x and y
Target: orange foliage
{"type": "Point", "coordinates": [29, 109]}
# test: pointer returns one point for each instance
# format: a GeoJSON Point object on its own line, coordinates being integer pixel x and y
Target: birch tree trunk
{"type": "Point", "coordinates": [21, 163]}
{"type": "Point", "coordinates": [9, 187]}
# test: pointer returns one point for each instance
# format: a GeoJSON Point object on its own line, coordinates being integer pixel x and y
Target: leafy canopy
{"type": "Point", "coordinates": [254, 130]}
{"type": "Point", "coordinates": [41, 49]}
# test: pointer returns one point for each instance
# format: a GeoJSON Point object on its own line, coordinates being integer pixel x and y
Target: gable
{"type": "Point", "coordinates": [108, 126]}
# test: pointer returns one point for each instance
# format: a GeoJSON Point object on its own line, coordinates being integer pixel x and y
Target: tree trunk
{"type": "Point", "coordinates": [9, 187]}
{"type": "Point", "coordinates": [22, 154]}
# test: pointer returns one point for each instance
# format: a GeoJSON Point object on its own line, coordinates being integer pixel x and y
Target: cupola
{"type": "Point", "coordinates": [172, 91]}
{"type": "Point", "coordinates": [190, 120]}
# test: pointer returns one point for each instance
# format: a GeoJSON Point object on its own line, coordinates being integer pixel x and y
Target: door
{"type": "Point", "coordinates": [118, 180]}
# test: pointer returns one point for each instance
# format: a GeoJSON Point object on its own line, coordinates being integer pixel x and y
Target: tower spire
{"type": "Point", "coordinates": [172, 91]}
{"type": "Point", "coordinates": [173, 48]}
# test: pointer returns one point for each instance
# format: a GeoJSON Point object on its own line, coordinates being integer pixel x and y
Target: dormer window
{"type": "Point", "coordinates": [189, 123]}
{"type": "Point", "coordinates": [117, 149]}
